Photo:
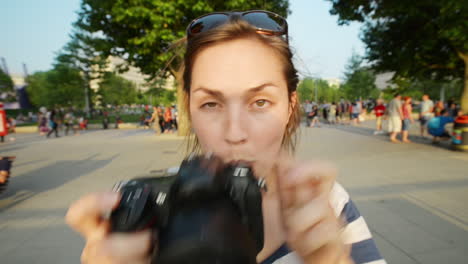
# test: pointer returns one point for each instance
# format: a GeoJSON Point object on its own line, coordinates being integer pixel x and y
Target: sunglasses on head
{"type": "Point", "coordinates": [265, 22]}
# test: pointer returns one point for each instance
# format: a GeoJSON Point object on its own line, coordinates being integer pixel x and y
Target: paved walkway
{"type": "Point", "coordinates": [413, 196]}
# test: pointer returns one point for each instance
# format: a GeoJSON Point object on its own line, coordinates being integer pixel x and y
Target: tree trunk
{"type": "Point", "coordinates": [464, 98]}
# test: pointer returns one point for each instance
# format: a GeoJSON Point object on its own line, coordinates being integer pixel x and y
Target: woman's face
{"type": "Point", "coordinates": [239, 103]}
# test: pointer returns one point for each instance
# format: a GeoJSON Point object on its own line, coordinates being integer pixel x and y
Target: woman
{"type": "Point", "coordinates": [240, 88]}
{"type": "Point", "coordinates": [439, 106]}
{"type": "Point", "coordinates": [168, 120]}
{"type": "Point", "coordinates": [332, 114]}
{"type": "Point", "coordinates": [315, 116]}
{"type": "Point", "coordinates": [407, 110]}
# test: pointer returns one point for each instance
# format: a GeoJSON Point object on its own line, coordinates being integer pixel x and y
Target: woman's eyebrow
{"type": "Point", "coordinates": [259, 88]}
{"type": "Point", "coordinates": [213, 93]}
{"type": "Point", "coordinates": [219, 94]}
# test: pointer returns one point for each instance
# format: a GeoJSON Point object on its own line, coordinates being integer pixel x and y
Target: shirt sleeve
{"type": "Point", "coordinates": [356, 232]}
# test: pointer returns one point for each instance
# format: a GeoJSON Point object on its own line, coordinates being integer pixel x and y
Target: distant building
{"type": "Point", "coordinates": [333, 81]}
{"type": "Point", "coordinates": [133, 74]}
{"type": "Point", "coordinates": [22, 98]}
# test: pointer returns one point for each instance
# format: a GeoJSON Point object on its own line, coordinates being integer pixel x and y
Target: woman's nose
{"type": "Point", "coordinates": [235, 127]}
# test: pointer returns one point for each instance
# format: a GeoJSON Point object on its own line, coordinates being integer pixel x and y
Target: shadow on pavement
{"type": "Point", "coordinates": [25, 186]}
{"type": "Point", "coordinates": [386, 189]}
{"type": "Point", "coordinates": [365, 131]}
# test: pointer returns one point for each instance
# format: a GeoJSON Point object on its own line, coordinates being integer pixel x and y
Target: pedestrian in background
{"type": "Point", "coordinates": [379, 111]}
{"type": "Point", "coordinates": [356, 109]}
{"type": "Point", "coordinates": [155, 120]}
{"type": "Point", "coordinates": [426, 110]}
{"type": "Point", "coordinates": [53, 121]}
{"type": "Point", "coordinates": [439, 106]}
{"type": "Point", "coordinates": [332, 113]}
{"type": "Point", "coordinates": [307, 109]}
{"type": "Point", "coordinates": [3, 124]}
{"type": "Point", "coordinates": [407, 110]}
{"type": "Point", "coordinates": [315, 116]}
{"type": "Point", "coordinates": [174, 114]}
{"type": "Point", "coordinates": [168, 120]}
{"type": "Point", "coordinates": [395, 117]}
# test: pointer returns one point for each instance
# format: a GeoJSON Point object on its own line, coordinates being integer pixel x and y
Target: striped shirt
{"type": "Point", "coordinates": [355, 233]}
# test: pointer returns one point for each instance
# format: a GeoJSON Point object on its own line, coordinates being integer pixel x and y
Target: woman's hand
{"type": "Point", "coordinates": [312, 228]}
{"type": "Point", "coordinates": [86, 217]}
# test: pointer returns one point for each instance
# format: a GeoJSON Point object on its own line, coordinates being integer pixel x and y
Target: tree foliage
{"type": "Point", "coordinates": [317, 90]}
{"type": "Point", "coordinates": [61, 86]}
{"type": "Point", "coordinates": [415, 39]}
{"type": "Point", "coordinates": [116, 90]}
{"type": "Point", "coordinates": [359, 80]}
{"type": "Point", "coordinates": [7, 91]}
{"type": "Point", "coordinates": [143, 31]}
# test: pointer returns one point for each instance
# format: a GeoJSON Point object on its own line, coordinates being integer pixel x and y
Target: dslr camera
{"type": "Point", "coordinates": [208, 212]}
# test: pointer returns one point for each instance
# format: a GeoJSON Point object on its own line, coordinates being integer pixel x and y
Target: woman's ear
{"type": "Point", "coordinates": [292, 104]}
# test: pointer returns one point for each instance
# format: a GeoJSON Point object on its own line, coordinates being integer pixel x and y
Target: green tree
{"type": "Point", "coordinates": [414, 39]}
{"type": "Point", "coordinates": [61, 86]}
{"type": "Point", "coordinates": [7, 92]}
{"type": "Point", "coordinates": [116, 90]}
{"type": "Point", "coordinates": [81, 53]}
{"type": "Point", "coordinates": [359, 81]}
{"type": "Point", "coordinates": [305, 89]}
{"type": "Point", "coordinates": [317, 90]}
{"type": "Point", "coordinates": [143, 31]}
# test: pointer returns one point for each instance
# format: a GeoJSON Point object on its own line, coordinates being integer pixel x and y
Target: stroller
{"type": "Point", "coordinates": [5, 167]}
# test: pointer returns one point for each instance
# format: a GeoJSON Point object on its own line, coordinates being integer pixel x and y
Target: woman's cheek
{"type": "Point", "coordinates": [207, 131]}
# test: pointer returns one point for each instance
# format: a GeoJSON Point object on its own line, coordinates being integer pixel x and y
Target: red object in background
{"type": "Point", "coordinates": [379, 110]}
{"type": "Point", "coordinates": [462, 119]}
{"type": "Point", "coordinates": [3, 122]}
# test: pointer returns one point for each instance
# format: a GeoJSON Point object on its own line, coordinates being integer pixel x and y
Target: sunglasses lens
{"type": "Point", "coordinates": [207, 22]}
{"type": "Point", "coordinates": [266, 21]}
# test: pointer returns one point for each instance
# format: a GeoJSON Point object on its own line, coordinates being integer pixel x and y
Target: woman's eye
{"type": "Point", "coordinates": [209, 105]}
{"type": "Point", "coordinates": [261, 103]}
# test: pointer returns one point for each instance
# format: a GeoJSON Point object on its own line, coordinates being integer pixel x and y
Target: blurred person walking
{"type": "Point", "coordinates": [3, 124]}
{"type": "Point", "coordinates": [395, 117]}
{"type": "Point", "coordinates": [168, 120]}
{"type": "Point", "coordinates": [155, 120]}
{"type": "Point", "coordinates": [425, 112]}
{"type": "Point", "coordinates": [315, 116]}
{"type": "Point", "coordinates": [332, 113]}
{"type": "Point", "coordinates": [439, 106]}
{"type": "Point", "coordinates": [356, 109]}
{"type": "Point", "coordinates": [174, 114]}
{"type": "Point", "coordinates": [161, 119]}
{"type": "Point", "coordinates": [69, 121]}
{"type": "Point", "coordinates": [407, 110]}
{"type": "Point", "coordinates": [307, 110]}
{"type": "Point", "coordinates": [379, 111]}
{"type": "Point", "coordinates": [53, 121]}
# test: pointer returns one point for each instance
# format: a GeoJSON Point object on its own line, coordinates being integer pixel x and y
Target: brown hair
{"type": "Point", "coordinates": [240, 29]}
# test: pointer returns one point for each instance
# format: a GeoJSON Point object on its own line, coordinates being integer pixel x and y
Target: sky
{"type": "Point", "coordinates": [32, 32]}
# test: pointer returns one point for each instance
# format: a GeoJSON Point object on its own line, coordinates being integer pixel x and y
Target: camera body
{"type": "Point", "coordinates": [209, 212]}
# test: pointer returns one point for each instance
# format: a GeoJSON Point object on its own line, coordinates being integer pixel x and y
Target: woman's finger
{"type": "Point", "coordinates": [118, 248]}
{"type": "Point", "coordinates": [325, 232]}
{"type": "Point", "coordinates": [304, 182]}
{"type": "Point", "coordinates": [86, 215]}
{"type": "Point", "coordinates": [299, 220]}
{"type": "Point", "coordinates": [128, 246]}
